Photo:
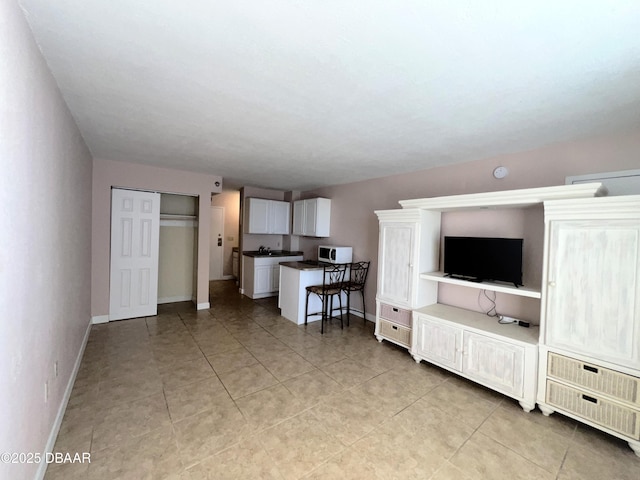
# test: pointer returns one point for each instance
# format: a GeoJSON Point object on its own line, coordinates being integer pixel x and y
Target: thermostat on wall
{"type": "Point", "coordinates": [500, 172]}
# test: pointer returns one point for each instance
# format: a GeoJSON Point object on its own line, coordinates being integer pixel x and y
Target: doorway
{"type": "Point", "coordinates": [216, 244]}
{"type": "Point", "coordinates": [153, 251]}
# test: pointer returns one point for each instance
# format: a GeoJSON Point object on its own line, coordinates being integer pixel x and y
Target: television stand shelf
{"type": "Point", "coordinates": [475, 346]}
{"type": "Point", "coordinates": [492, 286]}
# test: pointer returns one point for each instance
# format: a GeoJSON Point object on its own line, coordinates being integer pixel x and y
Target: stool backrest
{"type": "Point", "coordinates": [358, 273]}
{"type": "Point", "coordinates": [334, 274]}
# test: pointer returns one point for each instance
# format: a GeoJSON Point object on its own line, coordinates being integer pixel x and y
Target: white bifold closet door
{"type": "Point", "coordinates": [135, 233]}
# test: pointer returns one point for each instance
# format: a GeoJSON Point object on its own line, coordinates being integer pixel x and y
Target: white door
{"type": "Point", "coordinates": [216, 243]}
{"type": "Point", "coordinates": [395, 268]}
{"type": "Point", "coordinates": [593, 293]}
{"type": "Point", "coordinates": [263, 279]}
{"type": "Point", "coordinates": [280, 217]}
{"type": "Point", "coordinates": [275, 278]}
{"type": "Point", "coordinates": [135, 233]}
{"type": "Point", "coordinates": [298, 217]}
{"type": "Point", "coordinates": [257, 215]}
{"type": "Point", "coordinates": [494, 363]}
{"type": "Point", "coordinates": [310, 216]}
{"type": "Point", "coordinates": [439, 342]}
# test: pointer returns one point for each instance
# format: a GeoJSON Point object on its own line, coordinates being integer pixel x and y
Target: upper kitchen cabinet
{"type": "Point", "coordinates": [266, 216]}
{"type": "Point", "coordinates": [312, 217]}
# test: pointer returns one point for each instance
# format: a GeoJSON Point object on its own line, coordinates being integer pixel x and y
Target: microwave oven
{"type": "Point", "coordinates": [334, 254]}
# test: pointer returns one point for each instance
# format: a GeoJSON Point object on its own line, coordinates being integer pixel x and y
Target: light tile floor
{"type": "Point", "coordinates": [239, 392]}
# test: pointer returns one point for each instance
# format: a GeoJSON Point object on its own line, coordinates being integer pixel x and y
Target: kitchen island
{"type": "Point", "coordinates": [295, 277]}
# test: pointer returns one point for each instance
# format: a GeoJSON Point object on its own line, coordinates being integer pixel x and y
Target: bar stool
{"type": "Point", "coordinates": [357, 277]}
{"type": "Point", "coordinates": [332, 284]}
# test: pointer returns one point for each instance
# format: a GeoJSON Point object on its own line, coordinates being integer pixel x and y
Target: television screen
{"type": "Point", "coordinates": [479, 259]}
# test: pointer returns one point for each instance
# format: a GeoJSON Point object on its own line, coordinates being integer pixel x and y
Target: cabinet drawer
{"type": "Point", "coordinates": [609, 414]}
{"type": "Point", "coordinates": [394, 332]}
{"type": "Point", "coordinates": [396, 315]}
{"type": "Point", "coordinates": [619, 386]}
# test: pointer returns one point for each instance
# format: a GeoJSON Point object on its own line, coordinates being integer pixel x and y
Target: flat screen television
{"type": "Point", "coordinates": [484, 259]}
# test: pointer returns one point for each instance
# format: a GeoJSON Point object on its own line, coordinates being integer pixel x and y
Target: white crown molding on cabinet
{"type": "Point", "coordinates": [506, 198]}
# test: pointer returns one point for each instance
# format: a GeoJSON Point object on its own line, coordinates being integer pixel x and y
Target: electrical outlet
{"type": "Point", "coordinates": [46, 391]}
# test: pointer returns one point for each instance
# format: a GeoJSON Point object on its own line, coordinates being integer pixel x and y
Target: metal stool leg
{"type": "Point", "coordinates": [306, 308]}
{"type": "Point", "coordinates": [348, 292]}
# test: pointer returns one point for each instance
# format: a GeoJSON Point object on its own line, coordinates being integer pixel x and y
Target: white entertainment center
{"type": "Point", "coordinates": [583, 359]}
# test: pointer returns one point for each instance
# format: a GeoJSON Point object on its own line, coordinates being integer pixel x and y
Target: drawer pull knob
{"type": "Point", "coordinates": [394, 327]}
{"type": "Point", "coordinates": [395, 310]}
{"type": "Point", "coordinates": [589, 368]}
{"type": "Point", "coordinates": [590, 399]}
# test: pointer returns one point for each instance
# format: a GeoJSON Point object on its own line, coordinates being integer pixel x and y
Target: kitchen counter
{"type": "Point", "coordinates": [274, 253]}
{"type": "Point", "coordinates": [303, 265]}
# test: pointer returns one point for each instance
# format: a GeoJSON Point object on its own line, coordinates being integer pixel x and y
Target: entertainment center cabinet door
{"type": "Point", "coordinates": [593, 289]}
{"type": "Point", "coordinates": [397, 250]}
{"type": "Point", "coordinates": [493, 363]}
{"type": "Point", "coordinates": [437, 342]}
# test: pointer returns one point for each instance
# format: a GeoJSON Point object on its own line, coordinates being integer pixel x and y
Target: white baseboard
{"type": "Point", "coordinates": [96, 319]}
{"type": "Point", "coordinates": [224, 277]}
{"type": "Point", "coordinates": [177, 298]}
{"type": "Point", "coordinates": [53, 434]}
{"type": "Point", "coordinates": [358, 313]}
{"type": "Point", "coordinates": [203, 306]}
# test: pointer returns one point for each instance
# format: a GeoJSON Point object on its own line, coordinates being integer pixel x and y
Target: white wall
{"type": "Point", "coordinates": [45, 244]}
{"type": "Point", "coordinates": [176, 263]}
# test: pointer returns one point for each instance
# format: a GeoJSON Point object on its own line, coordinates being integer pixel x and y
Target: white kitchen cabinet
{"type": "Point", "coordinates": [235, 263]}
{"type": "Point", "coordinates": [312, 217]}
{"type": "Point", "coordinates": [263, 279]}
{"type": "Point", "coordinates": [262, 216]}
{"type": "Point", "coordinates": [590, 342]}
{"type": "Point", "coordinates": [261, 275]}
{"type": "Point", "coordinates": [280, 217]}
{"type": "Point", "coordinates": [503, 357]}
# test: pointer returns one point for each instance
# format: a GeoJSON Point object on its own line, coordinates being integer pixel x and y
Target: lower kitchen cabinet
{"type": "Point", "coordinates": [261, 275]}
{"type": "Point", "coordinates": [502, 357]}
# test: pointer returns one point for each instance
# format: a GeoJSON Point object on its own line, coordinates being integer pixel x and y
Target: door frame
{"type": "Point", "coordinates": [213, 247]}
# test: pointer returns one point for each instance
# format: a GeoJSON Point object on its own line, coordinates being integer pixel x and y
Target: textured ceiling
{"type": "Point", "coordinates": [299, 94]}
